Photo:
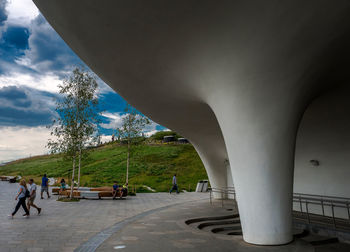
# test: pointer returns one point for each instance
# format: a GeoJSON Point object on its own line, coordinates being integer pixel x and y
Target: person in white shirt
{"type": "Point", "coordinates": [174, 187]}
{"type": "Point", "coordinates": [32, 195]}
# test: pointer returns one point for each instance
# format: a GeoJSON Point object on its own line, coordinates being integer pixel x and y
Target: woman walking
{"type": "Point", "coordinates": [21, 197]}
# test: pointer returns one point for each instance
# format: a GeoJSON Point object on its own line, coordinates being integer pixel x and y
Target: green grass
{"type": "Point", "coordinates": [151, 165]}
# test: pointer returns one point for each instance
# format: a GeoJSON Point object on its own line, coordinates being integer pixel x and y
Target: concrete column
{"type": "Point", "coordinates": [260, 140]}
{"type": "Point", "coordinates": [215, 167]}
{"type": "Point", "coordinates": [229, 179]}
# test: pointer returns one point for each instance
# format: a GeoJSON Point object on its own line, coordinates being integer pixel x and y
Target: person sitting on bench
{"type": "Point", "coordinates": [124, 190]}
{"type": "Point", "coordinates": [115, 189]}
{"type": "Point", "coordinates": [62, 185]}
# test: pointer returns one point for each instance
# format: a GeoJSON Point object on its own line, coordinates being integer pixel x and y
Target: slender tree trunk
{"type": "Point", "coordinates": [79, 168]}
{"type": "Point", "coordinates": [73, 173]}
{"type": "Point", "coordinates": [127, 163]}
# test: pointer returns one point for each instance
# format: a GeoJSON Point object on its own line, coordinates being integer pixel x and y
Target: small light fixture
{"type": "Point", "coordinates": [119, 247]}
{"type": "Point", "coordinates": [315, 162]}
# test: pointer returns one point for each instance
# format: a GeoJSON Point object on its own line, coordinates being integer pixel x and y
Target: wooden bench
{"type": "Point", "coordinates": [67, 193]}
{"type": "Point", "coordinates": [94, 194]}
{"type": "Point", "coordinates": [56, 190]}
{"type": "Point", "coordinates": [4, 178]}
{"type": "Point", "coordinates": [109, 194]}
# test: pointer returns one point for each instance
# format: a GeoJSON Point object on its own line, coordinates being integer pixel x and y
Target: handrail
{"type": "Point", "coordinates": [322, 196]}
{"type": "Point", "coordinates": [320, 204]}
{"type": "Point", "coordinates": [303, 199]}
{"type": "Point", "coordinates": [323, 201]}
{"type": "Point", "coordinates": [223, 191]}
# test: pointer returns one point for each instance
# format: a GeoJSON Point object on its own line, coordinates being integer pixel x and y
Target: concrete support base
{"type": "Point", "coordinates": [260, 146]}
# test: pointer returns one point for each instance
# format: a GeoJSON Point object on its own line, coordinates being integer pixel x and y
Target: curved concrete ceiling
{"type": "Point", "coordinates": [174, 53]}
{"type": "Point", "coordinates": [234, 77]}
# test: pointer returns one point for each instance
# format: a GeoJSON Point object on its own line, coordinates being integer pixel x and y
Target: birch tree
{"type": "Point", "coordinates": [78, 118]}
{"type": "Point", "coordinates": [133, 124]}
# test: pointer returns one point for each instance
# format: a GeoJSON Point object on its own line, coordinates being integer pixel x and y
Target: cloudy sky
{"type": "Point", "coordinates": [33, 61]}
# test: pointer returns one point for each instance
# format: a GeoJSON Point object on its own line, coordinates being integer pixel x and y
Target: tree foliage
{"type": "Point", "coordinates": [133, 124]}
{"type": "Point", "coordinates": [161, 134]}
{"type": "Point", "coordinates": [78, 116]}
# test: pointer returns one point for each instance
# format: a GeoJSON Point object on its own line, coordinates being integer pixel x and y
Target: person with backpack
{"type": "Point", "coordinates": [23, 193]}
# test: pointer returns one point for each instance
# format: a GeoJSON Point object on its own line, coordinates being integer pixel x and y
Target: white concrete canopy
{"type": "Point", "coordinates": [234, 77]}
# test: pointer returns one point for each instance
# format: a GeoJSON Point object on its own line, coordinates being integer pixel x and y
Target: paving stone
{"type": "Point", "coordinates": [177, 236]}
{"type": "Point", "coordinates": [35, 249]}
{"type": "Point", "coordinates": [64, 226]}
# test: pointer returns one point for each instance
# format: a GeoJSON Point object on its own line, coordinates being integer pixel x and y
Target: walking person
{"type": "Point", "coordinates": [21, 197]}
{"type": "Point", "coordinates": [32, 195]}
{"type": "Point", "coordinates": [45, 186]}
{"type": "Point", "coordinates": [174, 187]}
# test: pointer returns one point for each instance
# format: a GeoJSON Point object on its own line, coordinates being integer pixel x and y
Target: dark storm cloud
{"type": "Point", "coordinates": [39, 44]}
{"type": "Point", "coordinates": [12, 93]}
{"type": "Point", "coordinates": [16, 117]}
{"type": "Point", "coordinates": [15, 96]}
{"type": "Point", "coordinates": [16, 37]}
{"type": "Point", "coordinates": [13, 43]}
{"type": "Point", "coordinates": [23, 106]}
{"type": "Point", "coordinates": [48, 52]}
{"type": "Point", "coordinates": [3, 12]}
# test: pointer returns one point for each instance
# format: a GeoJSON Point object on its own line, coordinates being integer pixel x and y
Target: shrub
{"type": "Point", "coordinates": [161, 134]}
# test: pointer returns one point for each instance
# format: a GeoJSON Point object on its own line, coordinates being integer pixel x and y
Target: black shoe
{"type": "Point", "coordinates": [39, 211]}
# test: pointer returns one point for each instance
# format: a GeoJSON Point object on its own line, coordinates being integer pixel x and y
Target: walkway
{"type": "Point", "coordinates": [147, 222]}
{"type": "Point", "coordinates": [166, 230]}
{"type": "Point", "coordinates": [64, 226]}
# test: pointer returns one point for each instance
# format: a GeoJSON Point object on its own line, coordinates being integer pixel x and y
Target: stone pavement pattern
{"type": "Point", "coordinates": [165, 230]}
{"type": "Point", "coordinates": [64, 226]}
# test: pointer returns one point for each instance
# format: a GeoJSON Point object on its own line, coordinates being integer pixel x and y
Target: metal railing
{"type": "Point", "coordinates": [305, 200]}
{"type": "Point", "coordinates": [224, 192]}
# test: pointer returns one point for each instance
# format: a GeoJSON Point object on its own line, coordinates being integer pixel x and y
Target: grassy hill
{"type": "Point", "coordinates": [151, 165]}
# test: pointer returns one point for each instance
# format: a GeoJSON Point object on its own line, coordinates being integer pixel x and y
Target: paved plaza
{"type": "Point", "coordinates": [147, 222]}
{"type": "Point", "coordinates": [166, 230]}
{"type": "Point", "coordinates": [65, 226]}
